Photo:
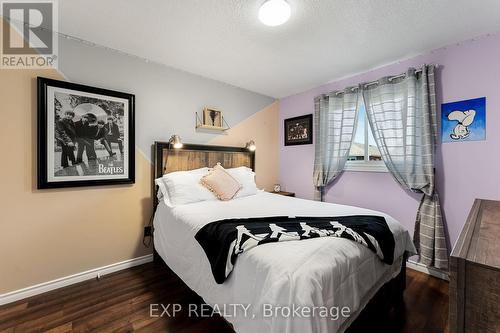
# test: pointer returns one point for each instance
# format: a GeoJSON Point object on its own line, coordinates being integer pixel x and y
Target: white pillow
{"type": "Point", "coordinates": [183, 187]}
{"type": "Point", "coordinates": [246, 177]}
{"type": "Point", "coordinates": [162, 193]}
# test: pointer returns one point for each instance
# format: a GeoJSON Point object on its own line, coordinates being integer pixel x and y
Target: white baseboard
{"type": "Point", "coordinates": [428, 270]}
{"type": "Point", "coordinates": [20, 294]}
{"type": "Point", "coordinates": [41, 288]}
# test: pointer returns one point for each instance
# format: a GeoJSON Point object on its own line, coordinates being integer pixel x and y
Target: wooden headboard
{"type": "Point", "coordinates": [190, 156]}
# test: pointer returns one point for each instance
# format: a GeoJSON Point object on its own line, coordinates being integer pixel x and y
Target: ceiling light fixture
{"type": "Point", "coordinates": [274, 12]}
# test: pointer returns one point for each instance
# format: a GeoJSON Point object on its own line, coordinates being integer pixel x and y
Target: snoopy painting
{"type": "Point", "coordinates": [464, 120]}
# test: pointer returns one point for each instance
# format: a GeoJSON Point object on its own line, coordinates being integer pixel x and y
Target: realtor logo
{"type": "Point", "coordinates": [28, 40]}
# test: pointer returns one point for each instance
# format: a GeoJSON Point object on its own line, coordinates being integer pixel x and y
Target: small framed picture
{"type": "Point", "coordinates": [299, 130]}
{"type": "Point", "coordinates": [85, 135]}
{"type": "Point", "coordinates": [463, 120]}
{"type": "Point", "coordinates": [212, 117]}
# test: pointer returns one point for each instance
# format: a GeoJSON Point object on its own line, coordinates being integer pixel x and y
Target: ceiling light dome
{"type": "Point", "coordinates": [274, 12]}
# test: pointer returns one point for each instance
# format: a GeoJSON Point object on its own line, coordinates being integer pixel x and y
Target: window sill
{"type": "Point", "coordinates": [365, 167]}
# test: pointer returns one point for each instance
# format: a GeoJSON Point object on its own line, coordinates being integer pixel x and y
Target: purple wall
{"type": "Point", "coordinates": [465, 170]}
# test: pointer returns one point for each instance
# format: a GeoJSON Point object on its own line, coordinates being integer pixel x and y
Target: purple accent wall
{"type": "Point", "coordinates": [465, 170]}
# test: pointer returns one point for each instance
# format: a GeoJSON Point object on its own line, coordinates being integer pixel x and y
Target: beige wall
{"type": "Point", "coordinates": [49, 234]}
{"type": "Point", "coordinates": [262, 127]}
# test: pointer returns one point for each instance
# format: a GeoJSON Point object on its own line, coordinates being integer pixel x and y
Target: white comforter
{"type": "Point", "coordinates": [330, 272]}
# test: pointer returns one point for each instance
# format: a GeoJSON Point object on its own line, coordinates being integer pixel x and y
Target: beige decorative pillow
{"type": "Point", "coordinates": [221, 183]}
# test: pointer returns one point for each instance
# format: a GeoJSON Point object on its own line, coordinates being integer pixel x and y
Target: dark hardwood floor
{"type": "Point", "coordinates": [120, 302]}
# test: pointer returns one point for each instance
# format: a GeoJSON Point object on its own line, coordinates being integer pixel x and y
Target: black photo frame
{"type": "Point", "coordinates": [104, 118]}
{"type": "Point", "coordinates": [299, 130]}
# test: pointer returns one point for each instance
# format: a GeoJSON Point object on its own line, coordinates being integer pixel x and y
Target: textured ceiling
{"type": "Point", "coordinates": [324, 39]}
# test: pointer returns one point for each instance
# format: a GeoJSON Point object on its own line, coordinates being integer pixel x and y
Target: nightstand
{"type": "Point", "coordinates": [287, 194]}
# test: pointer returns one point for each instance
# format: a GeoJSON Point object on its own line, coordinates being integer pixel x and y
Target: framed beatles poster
{"type": "Point", "coordinates": [85, 135]}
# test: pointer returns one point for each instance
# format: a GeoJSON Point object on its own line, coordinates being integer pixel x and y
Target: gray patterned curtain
{"type": "Point", "coordinates": [402, 116]}
{"type": "Point", "coordinates": [335, 117]}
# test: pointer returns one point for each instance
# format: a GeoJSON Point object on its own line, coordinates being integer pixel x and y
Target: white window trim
{"type": "Point", "coordinates": [366, 166]}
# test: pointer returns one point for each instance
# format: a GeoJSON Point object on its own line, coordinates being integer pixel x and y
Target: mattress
{"type": "Point", "coordinates": [270, 282]}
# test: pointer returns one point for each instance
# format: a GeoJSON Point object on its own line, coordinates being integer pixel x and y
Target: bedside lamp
{"type": "Point", "coordinates": [250, 145]}
{"type": "Point", "coordinates": [175, 141]}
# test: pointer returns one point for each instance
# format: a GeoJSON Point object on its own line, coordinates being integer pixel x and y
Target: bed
{"type": "Point", "coordinates": [271, 281]}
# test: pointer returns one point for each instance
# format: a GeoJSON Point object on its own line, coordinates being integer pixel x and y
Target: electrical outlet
{"type": "Point", "coordinates": [148, 231]}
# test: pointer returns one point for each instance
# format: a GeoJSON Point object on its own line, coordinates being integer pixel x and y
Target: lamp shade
{"type": "Point", "coordinates": [176, 141]}
{"type": "Point", "coordinates": [251, 145]}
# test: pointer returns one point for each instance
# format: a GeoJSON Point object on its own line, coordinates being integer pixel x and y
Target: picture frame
{"type": "Point", "coordinates": [86, 135]}
{"type": "Point", "coordinates": [212, 118]}
{"type": "Point", "coordinates": [298, 130]}
{"type": "Point", "coordinates": [463, 121]}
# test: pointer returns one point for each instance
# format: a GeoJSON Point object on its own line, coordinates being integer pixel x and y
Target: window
{"type": "Point", "coordinates": [364, 154]}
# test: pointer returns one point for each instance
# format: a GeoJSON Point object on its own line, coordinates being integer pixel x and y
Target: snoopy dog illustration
{"type": "Point", "coordinates": [465, 119]}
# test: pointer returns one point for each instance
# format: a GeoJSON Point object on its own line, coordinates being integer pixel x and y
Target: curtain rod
{"type": "Point", "coordinates": [371, 83]}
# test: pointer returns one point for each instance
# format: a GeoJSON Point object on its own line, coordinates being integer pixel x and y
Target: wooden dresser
{"type": "Point", "coordinates": [475, 272]}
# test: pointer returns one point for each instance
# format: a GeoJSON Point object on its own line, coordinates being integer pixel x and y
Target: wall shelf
{"type": "Point", "coordinates": [201, 126]}
{"type": "Point", "coordinates": [213, 128]}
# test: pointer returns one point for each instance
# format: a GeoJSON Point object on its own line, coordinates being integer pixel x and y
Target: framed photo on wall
{"type": "Point", "coordinates": [86, 135]}
{"type": "Point", "coordinates": [299, 130]}
{"type": "Point", "coordinates": [212, 117]}
{"type": "Point", "coordinates": [464, 120]}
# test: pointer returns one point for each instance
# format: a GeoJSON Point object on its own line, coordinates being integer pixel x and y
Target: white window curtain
{"type": "Point", "coordinates": [402, 115]}
{"type": "Point", "coordinates": [335, 118]}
